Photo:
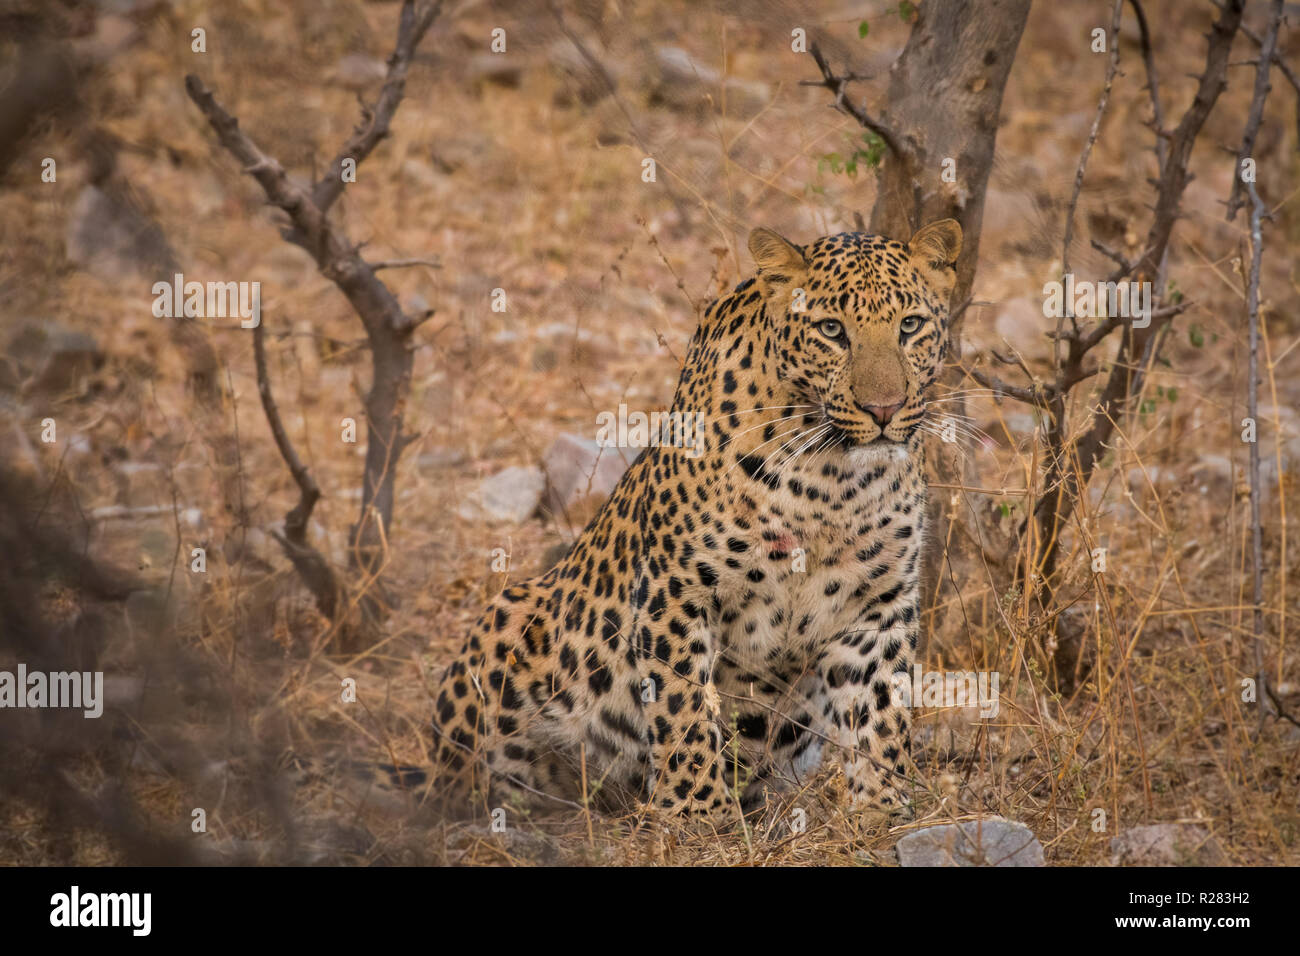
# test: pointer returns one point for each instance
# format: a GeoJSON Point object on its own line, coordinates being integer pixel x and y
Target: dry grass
{"type": "Point", "coordinates": [522, 189]}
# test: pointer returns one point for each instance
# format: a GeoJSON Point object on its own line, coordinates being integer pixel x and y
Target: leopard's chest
{"type": "Point", "coordinates": [810, 560]}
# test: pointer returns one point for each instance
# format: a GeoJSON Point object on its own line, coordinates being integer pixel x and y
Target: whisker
{"type": "Point", "coordinates": [784, 418]}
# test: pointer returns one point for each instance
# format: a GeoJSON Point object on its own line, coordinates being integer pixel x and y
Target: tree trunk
{"type": "Point", "coordinates": [945, 96]}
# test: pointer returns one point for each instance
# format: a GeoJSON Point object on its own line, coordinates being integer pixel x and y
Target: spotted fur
{"type": "Point", "coordinates": [725, 618]}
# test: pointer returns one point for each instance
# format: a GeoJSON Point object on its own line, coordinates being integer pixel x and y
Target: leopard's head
{"type": "Point", "coordinates": [861, 323]}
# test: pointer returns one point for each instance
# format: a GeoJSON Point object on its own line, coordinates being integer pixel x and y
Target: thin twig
{"type": "Point", "coordinates": [839, 86]}
{"type": "Point", "coordinates": [1111, 67]}
{"type": "Point", "coordinates": [1253, 118]}
{"type": "Point", "coordinates": [310, 563]}
{"type": "Point", "coordinates": [1252, 410]}
{"type": "Point", "coordinates": [405, 264]}
{"type": "Point", "coordinates": [1281, 64]}
{"type": "Point", "coordinates": [373, 129]}
{"type": "Point", "coordinates": [1153, 87]}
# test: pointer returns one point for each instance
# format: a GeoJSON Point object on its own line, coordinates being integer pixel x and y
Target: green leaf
{"type": "Point", "coordinates": [1195, 336]}
{"type": "Point", "coordinates": [905, 10]}
{"type": "Point", "coordinates": [863, 29]}
{"type": "Point", "coordinates": [1171, 394]}
{"type": "Point", "coordinates": [1004, 509]}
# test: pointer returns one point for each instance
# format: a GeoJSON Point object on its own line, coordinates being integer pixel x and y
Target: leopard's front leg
{"type": "Point", "coordinates": [869, 722]}
{"type": "Point", "coordinates": [680, 703]}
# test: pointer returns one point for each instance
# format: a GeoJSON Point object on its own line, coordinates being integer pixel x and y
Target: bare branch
{"type": "Point", "coordinates": [1153, 86]}
{"type": "Point", "coordinates": [1027, 394]}
{"type": "Point", "coordinates": [1282, 65]}
{"type": "Point", "coordinates": [388, 329]}
{"type": "Point", "coordinates": [1252, 410]}
{"type": "Point", "coordinates": [1111, 66]}
{"type": "Point", "coordinates": [405, 264]}
{"type": "Point", "coordinates": [310, 563]}
{"type": "Point", "coordinates": [413, 23]}
{"type": "Point", "coordinates": [1131, 362]}
{"type": "Point", "coordinates": [1256, 114]}
{"type": "Point", "coordinates": [1126, 266]}
{"type": "Point", "coordinates": [839, 86]}
{"type": "Point", "coordinates": [1071, 462]}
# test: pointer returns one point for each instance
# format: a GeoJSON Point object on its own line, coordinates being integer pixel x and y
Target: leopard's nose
{"type": "Point", "coordinates": [882, 413]}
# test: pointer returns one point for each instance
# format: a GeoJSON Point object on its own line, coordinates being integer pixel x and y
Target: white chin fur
{"type": "Point", "coordinates": [877, 454]}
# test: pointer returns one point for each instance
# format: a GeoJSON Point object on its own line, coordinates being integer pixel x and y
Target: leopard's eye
{"type": "Point", "coordinates": [831, 328]}
{"type": "Point", "coordinates": [910, 324]}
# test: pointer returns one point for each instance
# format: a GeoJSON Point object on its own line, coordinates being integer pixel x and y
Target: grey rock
{"type": "Point", "coordinates": [1273, 445]}
{"type": "Point", "coordinates": [577, 468]}
{"type": "Point", "coordinates": [356, 71]}
{"type": "Point", "coordinates": [578, 80]}
{"type": "Point", "coordinates": [498, 68]}
{"type": "Point", "coordinates": [53, 359]}
{"type": "Point", "coordinates": [1213, 476]}
{"type": "Point", "coordinates": [685, 83]}
{"type": "Point", "coordinates": [20, 451]}
{"type": "Point", "coordinates": [1022, 324]}
{"type": "Point", "coordinates": [1166, 844]}
{"type": "Point", "coordinates": [510, 495]}
{"type": "Point", "coordinates": [993, 841]}
{"type": "Point", "coordinates": [111, 236]}
{"type": "Point", "coordinates": [1020, 423]}
{"type": "Point", "coordinates": [436, 459]}
{"type": "Point", "coordinates": [122, 690]}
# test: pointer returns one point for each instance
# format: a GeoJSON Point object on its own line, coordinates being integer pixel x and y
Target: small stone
{"type": "Point", "coordinates": [579, 468]}
{"type": "Point", "coordinates": [121, 690]}
{"type": "Point", "coordinates": [112, 237]}
{"type": "Point", "coordinates": [437, 459]}
{"type": "Point", "coordinates": [684, 83]}
{"type": "Point", "coordinates": [1021, 422]}
{"type": "Point", "coordinates": [1212, 476]}
{"type": "Point", "coordinates": [993, 841]}
{"type": "Point", "coordinates": [1022, 324]}
{"type": "Point", "coordinates": [1166, 844]}
{"type": "Point", "coordinates": [54, 359]}
{"type": "Point", "coordinates": [356, 71]}
{"type": "Point", "coordinates": [494, 68]}
{"type": "Point", "coordinates": [511, 495]}
{"type": "Point", "coordinates": [577, 80]}
{"type": "Point", "coordinates": [20, 451]}
{"type": "Point", "coordinates": [555, 554]}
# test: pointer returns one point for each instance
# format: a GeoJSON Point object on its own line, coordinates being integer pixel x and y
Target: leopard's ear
{"type": "Point", "coordinates": [781, 264]}
{"type": "Point", "coordinates": [934, 250]}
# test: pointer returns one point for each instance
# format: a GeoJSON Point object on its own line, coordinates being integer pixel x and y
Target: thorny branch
{"type": "Point", "coordinates": [388, 328]}
{"type": "Point", "coordinates": [1070, 462]}
{"type": "Point", "coordinates": [1267, 47]}
{"type": "Point", "coordinates": [1111, 67]}
{"type": "Point", "coordinates": [1281, 64]}
{"type": "Point", "coordinates": [310, 563]}
{"type": "Point", "coordinates": [838, 85]}
{"type": "Point", "coordinates": [412, 26]}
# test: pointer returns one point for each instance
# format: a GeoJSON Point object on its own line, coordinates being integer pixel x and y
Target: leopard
{"type": "Point", "coordinates": [741, 606]}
